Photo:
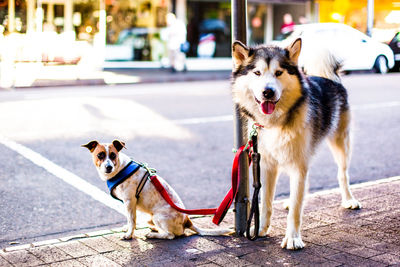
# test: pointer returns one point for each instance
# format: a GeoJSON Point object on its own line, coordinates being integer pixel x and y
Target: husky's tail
{"type": "Point", "coordinates": [320, 62]}
{"type": "Point", "coordinates": [211, 232]}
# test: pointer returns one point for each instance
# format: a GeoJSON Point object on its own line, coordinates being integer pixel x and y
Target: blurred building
{"type": "Point", "coordinates": [354, 13]}
{"type": "Point", "coordinates": [133, 28]}
{"type": "Point", "coordinates": [264, 20]}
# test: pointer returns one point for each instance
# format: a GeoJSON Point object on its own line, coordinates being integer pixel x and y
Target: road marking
{"type": "Point", "coordinates": [101, 196]}
{"type": "Point", "coordinates": [225, 118]}
{"type": "Point", "coordinates": [64, 174]}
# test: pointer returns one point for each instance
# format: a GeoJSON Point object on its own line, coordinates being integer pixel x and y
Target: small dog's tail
{"type": "Point", "coordinates": [321, 62]}
{"type": "Point", "coordinates": [211, 232]}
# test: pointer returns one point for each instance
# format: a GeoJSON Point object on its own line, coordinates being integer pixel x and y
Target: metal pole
{"type": "Point", "coordinates": [103, 21]}
{"type": "Point", "coordinates": [68, 13]}
{"type": "Point", "coordinates": [39, 18]}
{"type": "Point", "coordinates": [102, 34]}
{"type": "Point", "coordinates": [370, 17]}
{"type": "Point", "coordinates": [269, 24]}
{"type": "Point", "coordinates": [239, 27]}
{"type": "Point", "coordinates": [30, 16]}
{"type": "Point", "coordinates": [11, 15]}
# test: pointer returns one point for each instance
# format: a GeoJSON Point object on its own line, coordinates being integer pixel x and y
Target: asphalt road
{"type": "Point", "coordinates": [184, 130]}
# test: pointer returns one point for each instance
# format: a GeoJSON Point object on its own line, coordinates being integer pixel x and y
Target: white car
{"type": "Point", "coordinates": [356, 50]}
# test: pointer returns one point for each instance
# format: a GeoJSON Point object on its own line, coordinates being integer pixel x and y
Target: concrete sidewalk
{"type": "Point", "coordinates": [334, 237]}
{"type": "Point", "coordinates": [23, 75]}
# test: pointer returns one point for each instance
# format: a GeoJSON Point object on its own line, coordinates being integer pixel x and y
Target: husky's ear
{"type": "Point", "coordinates": [118, 145]}
{"type": "Point", "coordinates": [240, 53]}
{"type": "Point", "coordinates": [294, 50]}
{"type": "Point", "coordinates": [91, 145]}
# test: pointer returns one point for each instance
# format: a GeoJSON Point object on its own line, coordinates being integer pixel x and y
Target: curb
{"type": "Point", "coordinates": [125, 79]}
{"type": "Point", "coordinates": [65, 239]}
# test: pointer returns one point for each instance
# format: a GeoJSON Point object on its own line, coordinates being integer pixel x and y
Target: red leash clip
{"type": "Point", "coordinates": [230, 196]}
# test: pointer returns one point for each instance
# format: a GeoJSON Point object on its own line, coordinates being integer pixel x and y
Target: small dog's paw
{"type": "Point", "coordinates": [127, 237]}
{"type": "Point", "coordinates": [160, 235]}
{"type": "Point", "coordinates": [152, 235]}
{"type": "Point", "coordinates": [352, 204]}
{"type": "Point", "coordinates": [292, 243]}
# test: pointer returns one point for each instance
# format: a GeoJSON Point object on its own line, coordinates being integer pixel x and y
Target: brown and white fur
{"type": "Point", "coordinates": [297, 112]}
{"type": "Point", "coordinates": [167, 222]}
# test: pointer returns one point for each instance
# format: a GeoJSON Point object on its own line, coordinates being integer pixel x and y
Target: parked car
{"type": "Point", "coordinates": [395, 46]}
{"type": "Point", "coordinates": [132, 44]}
{"type": "Point", "coordinates": [217, 32]}
{"type": "Point", "coordinates": [356, 50]}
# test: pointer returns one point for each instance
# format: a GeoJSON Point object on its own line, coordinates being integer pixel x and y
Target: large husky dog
{"type": "Point", "coordinates": [297, 112]}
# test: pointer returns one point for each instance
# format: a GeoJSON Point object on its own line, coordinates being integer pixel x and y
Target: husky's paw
{"type": "Point", "coordinates": [352, 204]}
{"type": "Point", "coordinates": [292, 243]}
{"type": "Point", "coordinates": [262, 232]}
{"type": "Point", "coordinates": [286, 204]}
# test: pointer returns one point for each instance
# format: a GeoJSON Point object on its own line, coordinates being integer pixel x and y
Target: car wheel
{"type": "Point", "coordinates": [381, 65]}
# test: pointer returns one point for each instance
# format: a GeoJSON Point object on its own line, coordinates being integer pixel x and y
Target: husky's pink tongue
{"type": "Point", "coordinates": [267, 107]}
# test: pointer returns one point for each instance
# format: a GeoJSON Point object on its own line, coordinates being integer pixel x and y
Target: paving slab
{"type": "Point", "coordinates": [333, 236]}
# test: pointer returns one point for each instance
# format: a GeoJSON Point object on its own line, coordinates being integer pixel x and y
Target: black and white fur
{"type": "Point", "coordinates": [302, 111]}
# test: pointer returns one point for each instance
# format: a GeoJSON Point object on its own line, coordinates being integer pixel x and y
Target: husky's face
{"type": "Point", "coordinates": [266, 72]}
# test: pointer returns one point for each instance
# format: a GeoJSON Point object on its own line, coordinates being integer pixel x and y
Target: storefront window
{"type": "Point", "coordinates": [208, 30]}
{"type": "Point", "coordinates": [20, 17]}
{"type": "Point", "coordinates": [137, 24]}
{"type": "Point", "coordinates": [257, 15]}
{"type": "Point", "coordinates": [85, 19]}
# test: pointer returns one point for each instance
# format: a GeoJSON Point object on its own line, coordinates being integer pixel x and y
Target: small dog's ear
{"type": "Point", "coordinates": [118, 145]}
{"type": "Point", "coordinates": [91, 145]}
{"type": "Point", "coordinates": [240, 53]}
{"type": "Point", "coordinates": [294, 50]}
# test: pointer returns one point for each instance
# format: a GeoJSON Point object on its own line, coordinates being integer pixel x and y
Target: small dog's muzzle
{"type": "Point", "coordinates": [109, 168]}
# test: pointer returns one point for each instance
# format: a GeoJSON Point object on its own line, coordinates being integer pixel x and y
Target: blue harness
{"type": "Point", "coordinates": [124, 174]}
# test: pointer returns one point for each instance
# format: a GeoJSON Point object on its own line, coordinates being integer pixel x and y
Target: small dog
{"type": "Point", "coordinates": [297, 112]}
{"type": "Point", "coordinates": [168, 222]}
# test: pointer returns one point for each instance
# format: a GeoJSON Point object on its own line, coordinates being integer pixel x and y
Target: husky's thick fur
{"type": "Point", "coordinates": [297, 112]}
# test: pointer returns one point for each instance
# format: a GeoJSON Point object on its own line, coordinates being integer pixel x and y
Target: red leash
{"type": "Point", "coordinates": [220, 212]}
